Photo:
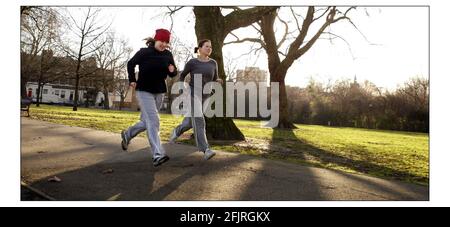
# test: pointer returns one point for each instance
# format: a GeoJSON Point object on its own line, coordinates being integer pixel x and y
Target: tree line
{"type": "Point", "coordinates": [78, 47]}
{"type": "Point", "coordinates": [348, 103]}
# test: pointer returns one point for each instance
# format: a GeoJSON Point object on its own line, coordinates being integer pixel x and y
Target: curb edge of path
{"type": "Point", "coordinates": [36, 191]}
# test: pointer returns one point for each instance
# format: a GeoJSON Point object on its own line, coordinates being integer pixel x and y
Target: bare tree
{"type": "Point", "coordinates": [211, 24]}
{"type": "Point", "coordinates": [122, 88]}
{"type": "Point", "coordinates": [230, 68]}
{"type": "Point", "coordinates": [85, 31]}
{"type": "Point", "coordinates": [51, 68]}
{"type": "Point", "coordinates": [110, 56]}
{"type": "Point", "coordinates": [39, 31]}
{"type": "Point", "coordinates": [417, 91]}
{"type": "Point", "coordinates": [119, 67]}
{"type": "Point", "coordinates": [280, 59]}
{"type": "Point", "coordinates": [182, 53]}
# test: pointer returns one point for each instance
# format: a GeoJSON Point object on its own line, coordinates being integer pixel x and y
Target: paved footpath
{"type": "Point", "coordinates": [92, 166]}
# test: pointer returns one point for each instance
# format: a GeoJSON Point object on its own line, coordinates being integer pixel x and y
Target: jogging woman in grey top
{"type": "Point", "coordinates": [206, 67]}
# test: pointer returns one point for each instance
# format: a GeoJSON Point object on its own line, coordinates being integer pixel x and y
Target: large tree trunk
{"type": "Point", "coordinates": [77, 75]}
{"type": "Point", "coordinates": [87, 96]}
{"type": "Point", "coordinates": [285, 121]}
{"type": "Point", "coordinates": [39, 93]}
{"type": "Point", "coordinates": [121, 102]}
{"type": "Point", "coordinates": [277, 68]}
{"type": "Point", "coordinates": [105, 83]}
{"type": "Point", "coordinates": [75, 100]}
{"type": "Point", "coordinates": [77, 82]}
{"type": "Point", "coordinates": [209, 24]}
{"type": "Point", "coordinates": [23, 88]}
{"type": "Point", "coordinates": [278, 74]}
{"type": "Point", "coordinates": [106, 101]}
{"type": "Point", "coordinates": [122, 98]}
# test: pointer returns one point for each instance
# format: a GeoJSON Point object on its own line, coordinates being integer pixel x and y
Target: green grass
{"type": "Point", "coordinates": [388, 154]}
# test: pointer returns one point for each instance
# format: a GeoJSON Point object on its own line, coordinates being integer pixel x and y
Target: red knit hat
{"type": "Point", "coordinates": [162, 35]}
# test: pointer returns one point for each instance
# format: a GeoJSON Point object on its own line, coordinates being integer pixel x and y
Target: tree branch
{"type": "Point", "coordinates": [303, 32]}
{"type": "Point", "coordinates": [343, 39]}
{"type": "Point", "coordinates": [286, 32]}
{"type": "Point", "coordinates": [256, 40]}
{"type": "Point", "coordinates": [244, 18]}
{"type": "Point", "coordinates": [171, 13]}
{"type": "Point", "coordinates": [317, 18]}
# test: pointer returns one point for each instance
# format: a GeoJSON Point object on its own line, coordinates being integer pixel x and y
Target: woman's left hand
{"type": "Point", "coordinates": [220, 81]}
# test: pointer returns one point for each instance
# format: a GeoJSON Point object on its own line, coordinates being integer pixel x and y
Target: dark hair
{"type": "Point", "coordinates": [200, 44]}
{"type": "Point", "coordinates": [150, 41]}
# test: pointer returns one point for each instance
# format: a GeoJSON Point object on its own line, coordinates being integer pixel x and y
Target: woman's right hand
{"type": "Point", "coordinates": [133, 85]}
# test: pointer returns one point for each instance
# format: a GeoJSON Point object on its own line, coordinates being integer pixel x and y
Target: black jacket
{"type": "Point", "coordinates": [153, 69]}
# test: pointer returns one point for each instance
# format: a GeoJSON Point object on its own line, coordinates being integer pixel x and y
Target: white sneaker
{"type": "Point", "coordinates": [208, 154]}
{"type": "Point", "coordinates": [173, 137]}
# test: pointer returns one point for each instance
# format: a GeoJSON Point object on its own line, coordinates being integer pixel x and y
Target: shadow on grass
{"type": "Point", "coordinates": [305, 152]}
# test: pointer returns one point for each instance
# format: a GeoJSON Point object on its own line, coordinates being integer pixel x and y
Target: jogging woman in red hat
{"type": "Point", "coordinates": [155, 64]}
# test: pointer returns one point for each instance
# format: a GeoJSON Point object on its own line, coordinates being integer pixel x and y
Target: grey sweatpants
{"type": "Point", "coordinates": [149, 104]}
{"type": "Point", "coordinates": [197, 123]}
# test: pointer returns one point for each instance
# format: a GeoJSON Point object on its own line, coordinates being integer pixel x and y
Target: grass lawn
{"type": "Point", "coordinates": [388, 154]}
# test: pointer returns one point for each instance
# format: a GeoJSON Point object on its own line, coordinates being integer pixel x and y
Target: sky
{"type": "Point", "coordinates": [390, 47]}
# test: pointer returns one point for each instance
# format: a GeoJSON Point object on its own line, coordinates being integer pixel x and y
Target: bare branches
{"type": "Point", "coordinates": [304, 30]}
{"type": "Point", "coordinates": [230, 67]}
{"type": "Point", "coordinates": [360, 32]}
{"type": "Point", "coordinates": [238, 40]}
{"type": "Point", "coordinates": [88, 31]}
{"type": "Point", "coordinates": [331, 16]}
{"type": "Point", "coordinates": [295, 18]}
{"type": "Point", "coordinates": [111, 58]}
{"type": "Point", "coordinates": [352, 23]}
{"type": "Point", "coordinates": [174, 9]}
{"type": "Point", "coordinates": [182, 52]}
{"type": "Point", "coordinates": [252, 50]}
{"type": "Point", "coordinates": [325, 11]}
{"type": "Point", "coordinates": [39, 28]}
{"type": "Point", "coordinates": [299, 46]}
{"type": "Point", "coordinates": [256, 28]}
{"type": "Point", "coordinates": [286, 32]}
{"type": "Point", "coordinates": [330, 19]}
{"type": "Point", "coordinates": [335, 36]}
{"type": "Point", "coordinates": [171, 12]}
{"type": "Point", "coordinates": [244, 18]}
{"type": "Point", "coordinates": [256, 40]}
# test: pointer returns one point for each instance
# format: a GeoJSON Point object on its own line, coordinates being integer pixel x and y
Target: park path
{"type": "Point", "coordinates": [92, 166]}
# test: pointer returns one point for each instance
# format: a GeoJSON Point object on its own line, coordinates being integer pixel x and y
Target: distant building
{"type": "Point", "coordinates": [251, 74]}
{"type": "Point", "coordinates": [58, 82]}
{"type": "Point", "coordinates": [114, 98]}
{"type": "Point", "coordinates": [54, 93]}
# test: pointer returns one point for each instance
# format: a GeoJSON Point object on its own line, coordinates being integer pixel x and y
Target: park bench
{"type": "Point", "coordinates": [25, 104]}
